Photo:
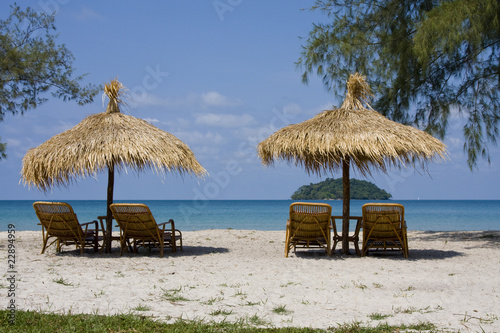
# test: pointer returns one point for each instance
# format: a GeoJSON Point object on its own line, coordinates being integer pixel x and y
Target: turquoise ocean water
{"type": "Point", "coordinates": [190, 215]}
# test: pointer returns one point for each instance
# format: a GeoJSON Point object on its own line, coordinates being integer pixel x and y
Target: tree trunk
{"type": "Point", "coordinates": [346, 204]}
{"type": "Point", "coordinates": [109, 201]}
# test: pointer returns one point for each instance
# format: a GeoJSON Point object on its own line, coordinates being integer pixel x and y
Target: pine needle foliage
{"type": "Point", "coordinates": [32, 65]}
{"type": "Point", "coordinates": [424, 59]}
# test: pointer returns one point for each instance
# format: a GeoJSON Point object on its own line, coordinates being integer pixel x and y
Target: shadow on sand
{"type": "Point", "coordinates": [187, 251]}
{"type": "Point", "coordinates": [418, 254]}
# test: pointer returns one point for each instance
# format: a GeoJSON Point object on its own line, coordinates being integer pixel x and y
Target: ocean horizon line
{"type": "Point", "coordinates": [249, 200]}
{"type": "Point", "coordinates": [263, 214]}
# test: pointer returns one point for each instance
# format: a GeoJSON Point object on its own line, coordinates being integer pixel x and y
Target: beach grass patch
{"type": "Point", "coordinates": [403, 294]}
{"type": "Point", "coordinates": [221, 312]}
{"type": "Point", "coordinates": [99, 294]}
{"type": "Point", "coordinates": [212, 300]}
{"type": "Point", "coordinates": [413, 309]}
{"type": "Point", "coordinates": [378, 316]}
{"type": "Point", "coordinates": [142, 308]}
{"type": "Point", "coordinates": [119, 274]}
{"type": "Point", "coordinates": [377, 285]}
{"type": "Point", "coordinates": [62, 281]}
{"type": "Point", "coordinates": [31, 322]}
{"type": "Point", "coordinates": [240, 293]}
{"type": "Point", "coordinates": [173, 295]}
{"type": "Point", "coordinates": [281, 310]}
{"type": "Point", "coordinates": [489, 319]}
{"type": "Point", "coordinates": [359, 285]}
{"type": "Point", "coordinates": [255, 320]}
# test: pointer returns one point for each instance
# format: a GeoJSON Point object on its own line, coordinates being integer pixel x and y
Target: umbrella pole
{"type": "Point", "coordinates": [109, 215]}
{"type": "Point", "coordinates": [346, 204]}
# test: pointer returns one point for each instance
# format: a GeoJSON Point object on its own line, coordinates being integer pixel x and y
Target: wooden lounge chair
{"type": "Point", "coordinates": [354, 238]}
{"type": "Point", "coordinates": [308, 226]}
{"type": "Point", "coordinates": [59, 221]}
{"type": "Point", "coordinates": [384, 227]}
{"type": "Point", "coordinates": [137, 223]}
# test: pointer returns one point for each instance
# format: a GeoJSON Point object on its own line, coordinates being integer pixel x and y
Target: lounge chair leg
{"type": "Point", "coordinates": [356, 246]}
{"type": "Point", "coordinates": [44, 246]}
{"type": "Point", "coordinates": [287, 248]}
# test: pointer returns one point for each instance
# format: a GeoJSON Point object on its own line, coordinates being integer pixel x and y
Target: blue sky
{"type": "Point", "coordinates": [221, 76]}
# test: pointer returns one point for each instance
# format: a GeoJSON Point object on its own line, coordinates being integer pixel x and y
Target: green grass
{"type": "Point", "coordinates": [221, 312]}
{"type": "Point", "coordinates": [31, 322]}
{"type": "Point", "coordinates": [62, 281]}
{"type": "Point", "coordinates": [173, 295]}
{"type": "Point", "coordinates": [142, 308]}
{"type": "Point", "coordinates": [378, 316]}
{"type": "Point", "coordinates": [257, 321]}
{"type": "Point", "coordinates": [281, 310]}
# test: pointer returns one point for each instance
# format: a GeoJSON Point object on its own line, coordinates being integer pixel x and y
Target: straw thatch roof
{"type": "Point", "coordinates": [104, 140]}
{"type": "Point", "coordinates": [353, 131]}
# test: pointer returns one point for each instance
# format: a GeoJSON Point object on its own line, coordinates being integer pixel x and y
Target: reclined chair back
{"type": "Point", "coordinates": [384, 227]}
{"type": "Point", "coordinates": [136, 221]}
{"type": "Point", "coordinates": [308, 226]}
{"type": "Point", "coordinates": [59, 221]}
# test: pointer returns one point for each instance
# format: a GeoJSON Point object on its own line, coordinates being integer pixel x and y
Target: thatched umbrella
{"type": "Point", "coordinates": [353, 134]}
{"type": "Point", "coordinates": [109, 140]}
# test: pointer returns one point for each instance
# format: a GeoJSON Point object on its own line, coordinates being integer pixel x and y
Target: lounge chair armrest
{"type": "Point", "coordinates": [333, 225]}
{"type": "Point", "coordinates": [86, 225]}
{"type": "Point", "coordinates": [359, 222]}
{"type": "Point", "coordinates": [163, 224]}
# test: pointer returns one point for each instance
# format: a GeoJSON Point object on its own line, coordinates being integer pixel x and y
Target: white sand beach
{"type": "Point", "coordinates": [452, 279]}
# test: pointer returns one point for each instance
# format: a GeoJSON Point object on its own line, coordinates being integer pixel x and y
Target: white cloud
{"type": "Point", "coordinates": [321, 108]}
{"type": "Point", "coordinates": [60, 127]}
{"type": "Point", "coordinates": [292, 108]}
{"type": "Point", "coordinates": [87, 13]}
{"type": "Point", "coordinates": [213, 98]}
{"type": "Point", "coordinates": [140, 98]}
{"type": "Point", "coordinates": [207, 151]}
{"type": "Point", "coordinates": [151, 120]}
{"type": "Point", "coordinates": [225, 120]}
{"type": "Point", "coordinates": [13, 143]}
{"type": "Point", "coordinates": [200, 138]}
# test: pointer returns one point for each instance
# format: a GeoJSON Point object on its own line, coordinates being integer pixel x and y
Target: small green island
{"type": "Point", "coordinates": [331, 189]}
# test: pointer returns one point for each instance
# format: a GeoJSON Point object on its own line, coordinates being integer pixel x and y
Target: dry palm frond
{"type": "Point", "coordinates": [114, 90]}
{"type": "Point", "coordinates": [353, 132]}
{"type": "Point", "coordinates": [107, 140]}
{"type": "Point", "coordinates": [358, 94]}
